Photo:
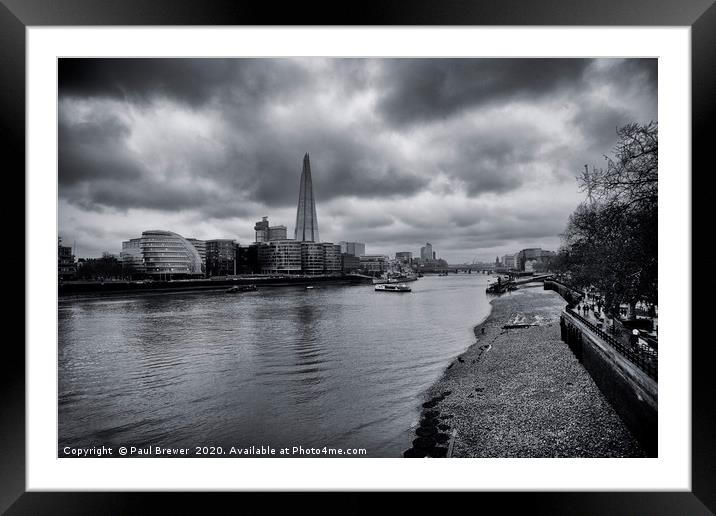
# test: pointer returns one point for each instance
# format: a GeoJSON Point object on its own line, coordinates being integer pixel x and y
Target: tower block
{"type": "Point", "coordinates": [306, 220]}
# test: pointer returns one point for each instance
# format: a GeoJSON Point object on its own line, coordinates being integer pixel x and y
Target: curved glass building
{"type": "Point", "coordinates": [168, 254]}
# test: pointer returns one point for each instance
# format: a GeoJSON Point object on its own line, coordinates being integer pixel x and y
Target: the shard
{"type": "Point", "coordinates": [306, 220]}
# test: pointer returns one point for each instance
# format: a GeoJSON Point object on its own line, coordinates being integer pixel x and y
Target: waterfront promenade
{"type": "Point", "coordinates": [520, 393]}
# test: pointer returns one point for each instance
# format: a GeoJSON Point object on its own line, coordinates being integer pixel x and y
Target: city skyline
{"type": "Point", "coordinates": [406, 151]}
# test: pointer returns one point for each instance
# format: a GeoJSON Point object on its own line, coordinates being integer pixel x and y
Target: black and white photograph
{"type": "Point", "coordinates": [357, 257]}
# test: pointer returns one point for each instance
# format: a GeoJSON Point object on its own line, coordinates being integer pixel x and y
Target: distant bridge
{"type": "Point", "coordinates": [480, 268]}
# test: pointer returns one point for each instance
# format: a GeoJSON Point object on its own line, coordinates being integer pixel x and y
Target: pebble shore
{"type": "Point", "coordinates": [520, 392]}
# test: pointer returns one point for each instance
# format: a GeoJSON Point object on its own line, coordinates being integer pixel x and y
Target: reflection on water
{"type": "Point", "coordinates": [340, 366]}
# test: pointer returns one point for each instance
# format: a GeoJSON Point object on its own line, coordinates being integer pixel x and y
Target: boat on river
{"type": "Point", "coordinates": [241, 288]}
{"type": "Point", "coordinates": [392, 287]}
{"type": "Point", "coordinates": [403, 278]}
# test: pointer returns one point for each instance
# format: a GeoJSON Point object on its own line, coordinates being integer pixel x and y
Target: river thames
{"type": "Point", "coordinates": [339, 366]}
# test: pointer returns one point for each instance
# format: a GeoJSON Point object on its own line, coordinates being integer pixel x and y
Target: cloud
{"type": "Point", "coordinates": [474, 155]}
{"type": "Point", "coordinates": [421, 90]}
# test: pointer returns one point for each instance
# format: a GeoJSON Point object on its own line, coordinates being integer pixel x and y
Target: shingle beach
{"type": "Point", "coordinates": [520, 393]}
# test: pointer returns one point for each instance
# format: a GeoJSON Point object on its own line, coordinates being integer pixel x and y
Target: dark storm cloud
{"type": "Point", "coordinates": [420, 90]}
{"type": "Point", "coordinates": [89, 151]}
{"type": "Point", "coordinates": [98, 170]}
{"type": "Point", "coordinates": [492, 161]}
{"type": "Point", "coordinates": [342, 164]}
{"type": "Point", "coordinates": [192, 81]}
{"type": "Point", "coordinates": [461, 152]}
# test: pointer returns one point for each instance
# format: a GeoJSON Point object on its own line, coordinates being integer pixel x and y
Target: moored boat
{"type": "Point", "coordinates": [392, 287]}
{"type": "Point", "coordinates": [241, 288]}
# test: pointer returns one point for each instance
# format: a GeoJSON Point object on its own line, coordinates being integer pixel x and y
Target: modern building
{"type": "Point", "coordinates": [374, 263]}
{"type": "Point", "coordinates": [306, 219]}
{"type": "Point", "coordinates": [312, 258]}
{"type": "Point", "coordinates": [331, 258]}
{"type": "Point", "coordinates": [262, 230]}
{"type": "Point", "coordinates": [528, 260]}
{"type": "Point", "coordinates": [277, 233]}
{"type": "Point", "coordinates": [280, 257]}
{"type": "Point", "coordinates": [132, 258]}
{"type": "Point", "coordinates": [349, 263]}
{"type": "Point", "coordinates": [266, 232]}
{"type": "Point", "coordinates": [220, 257]}
{"type": "Point", "coordinates": [352, 248]}
{"type": "Point", "coordinates": [508, 261]}
{"type": "Point", "coordinates": [404, 257]}
{"type": "Point", "coordinates": [247, 259]}
{"type": "Point", "coordinates": [66, 267]}
{"type": "Point", "coordinates": [200, 246]}
{"type": "Point", "coordinates": [426, 252]}
{"type": "Point", "coordinates": [167, 255]}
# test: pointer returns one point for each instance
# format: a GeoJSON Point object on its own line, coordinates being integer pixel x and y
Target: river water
{"type": "Point", "coordinates": [340, 366]}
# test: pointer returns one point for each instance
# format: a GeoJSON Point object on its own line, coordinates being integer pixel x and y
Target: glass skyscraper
{"type": "Point", "coordinates": [306, 220]}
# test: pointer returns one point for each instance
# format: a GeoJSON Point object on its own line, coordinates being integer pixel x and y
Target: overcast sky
{"type": "Point", "coordinates": [477, 156]}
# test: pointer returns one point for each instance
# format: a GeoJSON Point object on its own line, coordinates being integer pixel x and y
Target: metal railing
{"type": "Point", "coordinates": [647, 361]}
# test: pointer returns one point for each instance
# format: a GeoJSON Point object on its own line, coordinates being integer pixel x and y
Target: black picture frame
{"type": "Point", "coordinates": [17, 15]}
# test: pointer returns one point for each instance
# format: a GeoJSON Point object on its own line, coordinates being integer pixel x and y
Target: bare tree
{"type": "Point", "coordinates": [632, 175]}
{"type": "Point", "coordinates": [611, 239]}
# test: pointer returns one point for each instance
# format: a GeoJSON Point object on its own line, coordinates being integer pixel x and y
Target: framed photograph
{"type": "Point", "coordinates": [407, 249]}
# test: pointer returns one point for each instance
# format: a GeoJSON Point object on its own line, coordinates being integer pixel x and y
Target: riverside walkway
{"type": "Point", "coordinates": [642, 353]}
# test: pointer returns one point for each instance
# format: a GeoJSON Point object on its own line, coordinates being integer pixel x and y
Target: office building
{"type": "Point", "coordinates": [374, 263]}
{"type": "Point", "coordinates": [312, 258]}
{"type": "Point", "coordinates": [66, 267]}
{"type": "Point", "coordinates": [508, 261]}
{"type": "Point", "coordinates": [529, 260]}
{"type": "Point", "coordinates": [306, 219]}
{"type": "Point", "coordinates": [349, 263]}
{"type": "Point", "coordinates": [352, 248]}
{"type": "Point", "coordinates": [200, 246]}
{"type": "Point", "coordinates": [280, 257]}
{"type": "Point", "coordinates": [261, 229]}
{"type": "Point", "coordinates": [220, 257]}
{"type": "Point", "coordinates": [132, 258]}
{"type": "Point", "coordinates": [426, 252]}
{"type": "Point", "coordinates": [404, 257]}
{"type": "Point", "coordinates": [247, 259]}
{"type": "Point", "coordinates": [277, 233]}
{"type": "Point", "coordinates": [331, 258]}
{"type": "Point", "coordinates": [168, 255]}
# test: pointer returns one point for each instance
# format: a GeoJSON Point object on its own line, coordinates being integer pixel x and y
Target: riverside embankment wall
{"type": "Point", "coordinates": [569, 294]}
{"type": "Point", "coordinates": [632, 393]}
{"type": "Point", "coordinates": [112, 287]}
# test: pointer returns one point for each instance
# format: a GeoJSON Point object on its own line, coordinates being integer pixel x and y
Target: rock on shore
{"type": "Point", "coordinates": [520, 392]}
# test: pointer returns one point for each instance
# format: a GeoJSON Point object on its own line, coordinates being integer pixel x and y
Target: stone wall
{"type": "Point", "coordinates": [632, 393]}
{"type": "Point", "coordinates": [569, 294]}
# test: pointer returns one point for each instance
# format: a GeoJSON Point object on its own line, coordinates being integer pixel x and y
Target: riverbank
{"type": "Point", "coordinates": [520, 392]}
{"type": "Point", "coordinates": [123, 287]}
